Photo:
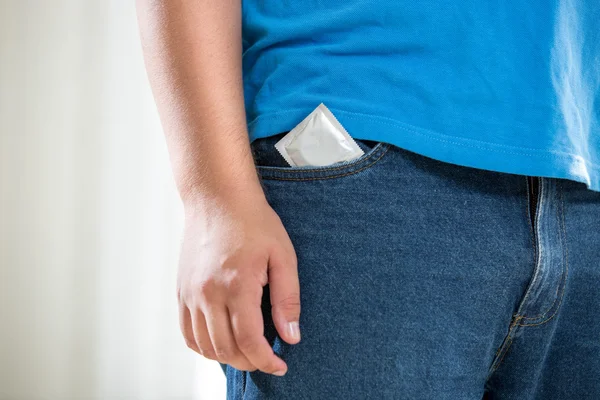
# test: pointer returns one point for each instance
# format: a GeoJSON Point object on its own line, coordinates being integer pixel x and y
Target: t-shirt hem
{"type": "Point", "coordinates": [460, 151]}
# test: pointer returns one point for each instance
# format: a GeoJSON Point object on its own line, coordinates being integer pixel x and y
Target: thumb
{"type": "Point", "coordinates": [284, 289]}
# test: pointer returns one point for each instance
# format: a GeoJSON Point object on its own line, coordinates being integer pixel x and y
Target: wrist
{"type": "Point", "coordinates": [233, 193]}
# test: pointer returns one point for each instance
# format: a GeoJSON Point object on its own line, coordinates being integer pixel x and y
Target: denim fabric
{"type": "Point", "coordinates": [422, 279]}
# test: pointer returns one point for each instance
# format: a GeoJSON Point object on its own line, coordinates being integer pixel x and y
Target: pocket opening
{"type": "Point", "coordinates": [271, 165]}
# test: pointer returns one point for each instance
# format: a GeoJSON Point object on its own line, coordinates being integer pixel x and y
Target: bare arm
{"type": "Point", "coordinates": [193, 53]}
{"type": "Point", "coordinates": [234, 243]}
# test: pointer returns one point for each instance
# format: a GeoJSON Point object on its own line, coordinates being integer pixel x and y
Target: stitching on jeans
{"type": "Point", "coordinates": [562, 277]}
{"type": "Point", "coordinates": [565, 259]}
{"type": "Point", "coordinates": [503, 348]}
{"type": "Point", "coordinates": [506, 347]}
{"type": "Point", "coordinates": [530, 224]}
{"type": "Point", "coordinates": [384, 151]}
{"type": "Point", "coordinates": [372, 153]}
{"type": "Point", "coordinates": [536, 271]}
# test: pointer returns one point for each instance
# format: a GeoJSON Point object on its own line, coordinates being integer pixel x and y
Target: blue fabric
{"type": "Point", "coordinates": [509, 86]}
{"type": "Point", "coordinates": [425, 280]}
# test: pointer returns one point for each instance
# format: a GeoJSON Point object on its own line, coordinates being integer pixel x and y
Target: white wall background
{"type": "Point", "coordinates": [90, 221]}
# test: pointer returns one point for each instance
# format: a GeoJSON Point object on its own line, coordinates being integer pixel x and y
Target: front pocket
{"type": "Point", "coordinates": [271, 165]}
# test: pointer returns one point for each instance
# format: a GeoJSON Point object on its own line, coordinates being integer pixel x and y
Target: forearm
{"type": "Point", "coordinates": [192, 50]}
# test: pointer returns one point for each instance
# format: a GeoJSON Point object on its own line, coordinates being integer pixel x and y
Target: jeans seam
{"type": "Point", "coordinates": [530, 223]}
{"type": "Point", "coordinates": [565, 272]}
{"type": "Point", "coordinates": [536, 271]}
{"type": "Point", "coordinates": [503, 352]}
{"type": "Point", "coordinates": [503, 349]}
{"type": "Point", "coordinates": [384, 149]}
{"type": "Point", "coordinates": [554, 305]}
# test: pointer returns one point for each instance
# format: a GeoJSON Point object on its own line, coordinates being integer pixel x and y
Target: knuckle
{"type": "Point", "coordinates": [289, 303]}
{"type": "Point", "coordinates": [208, 353]}
{"type": "Point", "coordinates": [269, 368]}
{"type": "Point", "coordinates": [244, 366]}
{"type": "Point", "coordinates": [225, 353]}
{"type": "Point", "coordinates": [237, 285]}
{"type": "Point", "coordinates": [183, 296]}
{"type": "Point", "coordinates": [203, 346]}
{"type": "Point", "coordinates": [265, 363]}
{"type": "Point", "coordinates": [233, 286]}
{"type": "Point", "coordinates": [248, 344]}
{"type": "Point", "coordinates": [191, 344]}
{"type": "Point", "coordinates": [206, 290]}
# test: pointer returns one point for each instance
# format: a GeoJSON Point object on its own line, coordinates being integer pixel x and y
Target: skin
{"type": "Point", "coordinates": [234, 243]}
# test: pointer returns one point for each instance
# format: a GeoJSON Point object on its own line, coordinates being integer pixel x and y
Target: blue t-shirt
{"type": "Point", "coordinates": [509, 86]}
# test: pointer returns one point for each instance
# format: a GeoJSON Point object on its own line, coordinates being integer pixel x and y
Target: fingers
{"type": "Point", "coordinates": [185, 323]}
{"type": "Point", "coordinates": [221, 317]}
{"type": "Point", "coordinates": [223, 342]}
{"type": "Point", "coordinates": [285, 294]}
{"type": "Point", "coordinates": [197, 338]}
{"type": "Point", "coordinates": [201, 335]}
{"type": "Point", "coordinates": [248, 330]}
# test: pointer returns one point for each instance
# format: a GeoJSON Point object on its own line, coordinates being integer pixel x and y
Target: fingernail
{"type": "Point", "coordinates": [294, 330]}
{"type": "Point", "coordinates": [279, 373]}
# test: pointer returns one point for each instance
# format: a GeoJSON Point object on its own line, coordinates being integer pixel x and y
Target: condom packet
{"type": "Point", "coordinates": [318, 140]}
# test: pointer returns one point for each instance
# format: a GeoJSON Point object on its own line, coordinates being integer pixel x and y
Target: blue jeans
{"type": "Point", "coordinates": [428, 280]}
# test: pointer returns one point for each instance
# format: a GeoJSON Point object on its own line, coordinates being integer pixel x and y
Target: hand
{"type": "Point", "coordinates": [229, 253]}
